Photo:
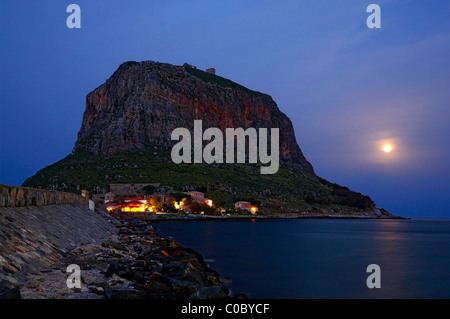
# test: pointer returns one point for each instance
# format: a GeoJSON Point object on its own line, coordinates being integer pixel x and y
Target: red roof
{"type": "Point", "coordinates": [134, 202]}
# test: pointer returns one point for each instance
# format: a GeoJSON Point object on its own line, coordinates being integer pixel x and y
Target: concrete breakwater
{"type": "Point", "coordinates": [118, 258]}
{"type": "Point", "coordinates": [32, 238]}
{"type": "Point", "coordinates": [136, 264]}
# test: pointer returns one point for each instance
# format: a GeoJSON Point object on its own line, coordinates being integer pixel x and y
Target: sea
{"type": "Point", "coordinates": [324, 258]}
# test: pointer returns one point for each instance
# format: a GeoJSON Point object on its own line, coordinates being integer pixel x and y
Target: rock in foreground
{"type": "Point", "coordinates": [137, 264]}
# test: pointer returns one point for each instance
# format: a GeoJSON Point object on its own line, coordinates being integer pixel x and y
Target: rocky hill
{"type": "Point", "coordinates": [125, 137]}
{"type": "Point", "coordinates": [142, 103]}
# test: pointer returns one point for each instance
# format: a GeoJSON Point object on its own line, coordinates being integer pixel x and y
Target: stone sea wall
{"type": "Point", "coordinates": [42, 232]}
{"type": "Point", "coordinates": [35, 237]}
{"type": "Point", "coordinates": [12, 196]}
{"type": "Point", "coordinates": [136, 264]}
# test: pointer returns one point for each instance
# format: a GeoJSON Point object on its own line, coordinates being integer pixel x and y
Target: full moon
{"type": "Point", "coordinates": [387, 148]}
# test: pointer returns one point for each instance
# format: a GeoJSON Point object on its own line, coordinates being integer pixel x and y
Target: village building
{"type": "Point", "coordinates": [196, 197]}
{"type": "Point", "coordinates": [130, 204]}
{"type": "Point", "coordinates": [162, 197]}
{"type": "Point", "coordinates": [244, 205]}
{"type": "Point", "coordinates": [200, 197]}
{"type": "Point", "coordinates": [133, 204]}
{"type": "Point", "coordinates": [115, 200]}
{"type": "Point", "coordinates": [109, 197]}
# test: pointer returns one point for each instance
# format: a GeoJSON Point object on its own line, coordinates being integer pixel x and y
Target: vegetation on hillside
{"type": "Point", "coordinates": [212, 78]}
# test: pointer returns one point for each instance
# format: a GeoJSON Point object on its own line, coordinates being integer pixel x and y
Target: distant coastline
{"type": "Point", "coordinates": [169, 217]}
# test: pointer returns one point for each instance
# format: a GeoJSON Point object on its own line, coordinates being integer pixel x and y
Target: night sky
{"type": "Point", "coordinates": [348, 89]}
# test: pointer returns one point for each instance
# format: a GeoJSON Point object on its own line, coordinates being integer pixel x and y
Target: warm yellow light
{"type": "Point", "coordinates": [387, 148]}
{"type": "Point", "coordinates": [140, 208]}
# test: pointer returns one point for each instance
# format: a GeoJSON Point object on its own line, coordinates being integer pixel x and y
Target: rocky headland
{"type": "Point", "coordinates": [139, 106]}
{"type": "Point", "coordinates": [125, 137]}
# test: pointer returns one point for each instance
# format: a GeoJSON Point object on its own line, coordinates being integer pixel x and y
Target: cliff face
{"type": "Point", "coordinates": [125, 137]}
{"type": "Point", "coordinates": [139, 106]}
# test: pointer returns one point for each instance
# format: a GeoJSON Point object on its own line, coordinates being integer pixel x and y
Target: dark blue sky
{"type": "Point", "coordinates": [347, 89]}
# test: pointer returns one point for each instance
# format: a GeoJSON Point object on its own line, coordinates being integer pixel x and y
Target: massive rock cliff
{"type": "Point", "coordinates": [139, 106]}
{"type": "Point", "coordinates": [125, 137]}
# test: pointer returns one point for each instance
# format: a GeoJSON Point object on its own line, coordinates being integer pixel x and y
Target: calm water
{"type": "Point", "coordinates": [319, 258]}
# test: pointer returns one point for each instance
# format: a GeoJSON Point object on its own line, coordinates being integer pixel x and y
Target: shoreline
{"type": "Point", "coordinates": [139, 263]}
{"type": "Point", "coordinates": [225, 218]}
{"type": "Point", "coordinates": [136, 263]}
